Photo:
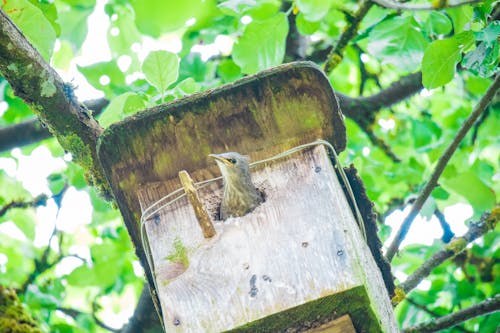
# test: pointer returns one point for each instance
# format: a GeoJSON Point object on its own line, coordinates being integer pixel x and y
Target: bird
{"type": "Point", "coordinates": [240, 195]}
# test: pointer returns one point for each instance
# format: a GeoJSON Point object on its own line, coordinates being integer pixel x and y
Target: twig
{"type": "Point", "coordinates": [365, 74]}
{"type": "Point", "coordinates": [443, 161]}
{"type": "Point", "coordinates": [407, 6]}
{"type": "Point", "coordinates": [485, 307]}
{"type": "Point", "coordinates": [487, 222]}
{"type": "Point", "coordinates": [432, 313]}
{"type": "Point", "coordinates": [40, 200]}
{"type": "Point", "coordinates": [336, 54]}
{"type": "Point", "coordinates": [447, 233]}
{"type": "Point", "coordinates": [378, 142]}
{"type": "Point", "coordinates": [478, 124]}
{"type": "Point", "coordinates": [74, 313]}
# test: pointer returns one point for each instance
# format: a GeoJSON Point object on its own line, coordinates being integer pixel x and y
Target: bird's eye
{"type": "Point", "coordinates": [232, 160]}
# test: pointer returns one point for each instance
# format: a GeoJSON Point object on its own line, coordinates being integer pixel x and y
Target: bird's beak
{"type": "Point", "coordinates": [220, 159]}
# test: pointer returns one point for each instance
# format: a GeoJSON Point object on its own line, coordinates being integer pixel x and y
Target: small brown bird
{"type": "Point", "coordinates": [240, 194]}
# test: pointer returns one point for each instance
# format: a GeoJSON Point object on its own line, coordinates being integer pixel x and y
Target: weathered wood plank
{"type": "Point", "coordinates": [302, 244]}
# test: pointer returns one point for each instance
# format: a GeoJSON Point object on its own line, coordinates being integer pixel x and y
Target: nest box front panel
{"type": "Point", "coordinates": [294, 248]}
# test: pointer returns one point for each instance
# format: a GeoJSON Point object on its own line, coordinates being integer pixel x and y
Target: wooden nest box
{"type": "Point", "coordinates": [298, 262]}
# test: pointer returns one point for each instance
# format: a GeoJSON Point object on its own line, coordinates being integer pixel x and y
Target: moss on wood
{"type": "Point", "coordinates": [317, 312]}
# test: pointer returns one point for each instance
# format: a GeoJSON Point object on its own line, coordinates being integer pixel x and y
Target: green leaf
{"type": "Point", "coordinates": [398, 41]}
{"type": "Point", "coordinates": [38, 299]}
{"type": "Point", "coordinates": [80, 3]}
{"type": "Point", "coordinates": [56, 183]}
{"type": "Point", "coordinates": [314, 10]}
{"type": "Point", "coordinates": [483, 61]}
{"type": "Point", "coordinates": [228, 70]}
{"type": "Point", "coordinates": [73, 21]}
{"type": "Point", "coordinates": [33, 24]}
{"type": "Point", "coordinates": [24, 219]}
{"type": "Point", "coordinates": [187, 87]}
{"type": "Point", "coordinates": [489, 34]}
{"type": "Point", "coordinates": [306, 27]}
{"type": "Point", "coordinates": [477, 85]}
{"type": "Point", "coordinates": [121, 107]}
{"type": "Point", "coordinates": [161, 69]}
{"type": "Point", "coordinates": [62, 57]}
{"type": "Point", "coordinates": [264, 9]}
{"type": "Point", "coordinates": [105, 70]}
{"type": "Point", "coordinates": [461, 17]}
{"type": "Point", "coordinates": [236, 7]}
{"type": "Point", "coordinates": [472, 188]}
{"type": "Point", "coordinates": [262, 44]}
{"type": "Point", "coordinates": [81, 276]}
{"type": "Point", "coordinates": [122, 32]}
{"type": "Point", "coordinates": [74, 173]}
{"type": "Point", "coordinates": [154, 17]}
{"type": "Point", "coordinates": [441, 58]}
{"type": "Point", "coordinates": [438, 24]}
{"type": "Point", "coordinates": [50, 12]}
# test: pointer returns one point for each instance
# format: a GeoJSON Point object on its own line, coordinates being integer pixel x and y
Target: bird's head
{"type": "Point", "coordinates": [232, 165]}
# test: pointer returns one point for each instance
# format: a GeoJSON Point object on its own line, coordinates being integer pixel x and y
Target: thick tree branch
{"type": "Point", "coordinates": [443, 161]}
{"type": "Point", "coordinates": [32, 130]}
{"type": "Point", "coordinates": [33, 80]}
{"type": "Point", "coordinates": [487, 222]}
{"type": "Point", "coordinates": [488, 306]}
{"type": "Point", "coordinates": [337, 53]}
{"type": "Point", "coordinates": [437, 5]}
{"type": "Point", "coordinates": [363, 109]}
{"type": "Point", "coordinates": [14, 316]}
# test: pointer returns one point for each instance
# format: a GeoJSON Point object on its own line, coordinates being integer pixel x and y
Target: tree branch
{"type": "Point", "coordinates": [73, 313]}
{"type": "Point", "coordinates": [33, 80]}
{"type": "Point", "coordinates": [337, 53]}
{"type": "Point", "coordinates": [447, 233]}
{"type": "Point", "coordinates": [407, 6]}
{"type": "Point", "coordinates": [32, 130]}
{"type": "Point", "coordinates": [432, 313]}
{"type": "Point", "coordinates": [296, 43]}
{"type": "Point", "coordinates": [487, 222]}
{"type": "Point", "coordinates": [485, 307]}
{"type": "Point", "coordinates": [478, 124]}
{"type": "Point", "coordinates": [363, 109]}
{"type": "Point", "coordinates": [40, 200]}
{"type": "Point", "coordinates": [443, 161]}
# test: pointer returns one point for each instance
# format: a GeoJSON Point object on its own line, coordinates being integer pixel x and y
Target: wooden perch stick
{"type": "Point", "coordinates": [201, 214]}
